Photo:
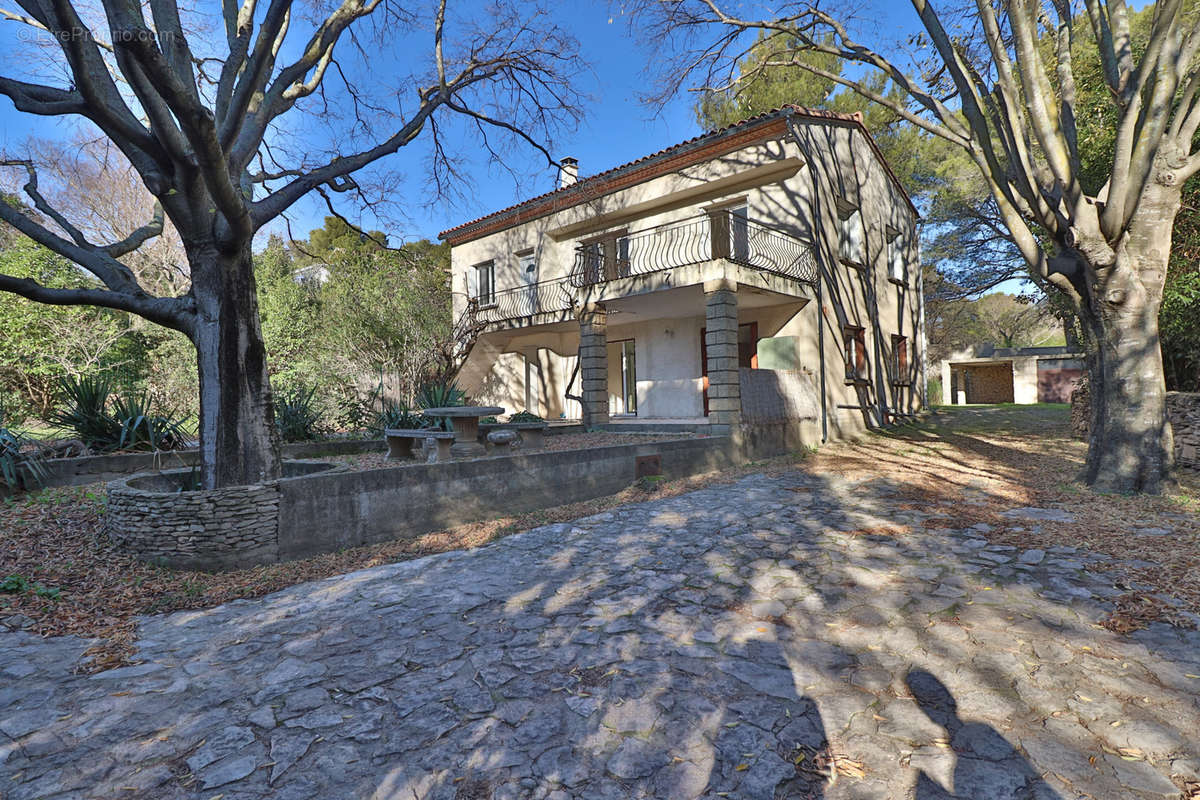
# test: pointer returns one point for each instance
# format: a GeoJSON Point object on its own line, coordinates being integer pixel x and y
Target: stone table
{"type": "Point", "coordinates": [466, 426]}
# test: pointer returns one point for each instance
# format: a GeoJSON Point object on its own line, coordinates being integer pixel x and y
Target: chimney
{"type": "Point", "coordinates": [569, 172]}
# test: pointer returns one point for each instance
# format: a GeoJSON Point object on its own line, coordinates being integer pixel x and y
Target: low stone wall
{"type": "Point", "coordinates": [149, 517]}
{"type": "Point", "coordinates": [1183, 410]}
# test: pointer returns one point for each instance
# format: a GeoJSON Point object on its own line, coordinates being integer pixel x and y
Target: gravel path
{"type": "Point", "coordinates": [745, 641]}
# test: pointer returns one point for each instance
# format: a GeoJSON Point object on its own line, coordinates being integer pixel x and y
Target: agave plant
{"type": "Point", "coordinates": [143, 430]}
{"type": "Point", "coordinates": [18, 464]}
{"type": "Point", "coordinates": [398, 415]}
{"type": "Point", "coordinates": [124, 422]}
{"type": "Point", "coordinates": [86, 412]}
{"type": "Point", "coordinates": [296, 414]}
{"type": "Point", "coordinates": [440, 395]}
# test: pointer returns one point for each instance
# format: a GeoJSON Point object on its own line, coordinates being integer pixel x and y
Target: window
{"type": "Point", "coordinates": [482, 283]}
{"type": "Point", "coordinates": [899, 359]}
{"type": "Point", "coordinates": [853, 242]}
{"type": "Point", "coordinates": [896, 258]}
{"type": "Point", "coordinates": [739, 232]}
{"type": "Point", "coordinates": [527, 264]}
{"type": "Point", "coordinates": [622, 377]}
{"type": "Point", "coordinates": [856, 352]}
{"type": "Point", "coordinates": [591, 256]}
{"type": "Point", "coordinates": [623, 257]}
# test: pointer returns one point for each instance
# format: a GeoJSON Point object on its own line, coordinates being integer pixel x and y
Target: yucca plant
{"type": "Point", "coordinates": [124, 422]}
{"type": "Point", "coordinates": [86, 412]}
{"type": "Point", "coordinates": [18, 464]}
{"type": "Point", "coordinates": [398, 415]}
{"type": "Point", "coordinates": [296, 414]}
{"type": "Point", "coordinates": [441, 395]}
{"type": "Point", "coordinates": [141, 429]}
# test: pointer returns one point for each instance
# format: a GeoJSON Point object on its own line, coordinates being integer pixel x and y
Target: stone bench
{"type": "Point", "coordinates": [532, 433]}
{"type": "Point", "coordinates": [402, 443]}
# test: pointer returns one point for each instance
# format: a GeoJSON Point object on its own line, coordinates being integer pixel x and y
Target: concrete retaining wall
{"type": "Point", "coordinates": [90, 469]}
{"type": "Point", "coordinates": [337, 508]}
{"type": "Point", "coordinates": [330, 512]}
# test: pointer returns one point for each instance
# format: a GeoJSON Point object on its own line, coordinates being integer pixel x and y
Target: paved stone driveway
{"type": "Point", "coordinates": [705, 645]}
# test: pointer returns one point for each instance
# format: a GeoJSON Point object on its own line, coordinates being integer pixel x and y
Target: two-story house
{"type": "Point", "coordinates": [653, 291]}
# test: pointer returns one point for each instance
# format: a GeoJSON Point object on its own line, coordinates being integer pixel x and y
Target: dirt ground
{"type": "Point", "coordinates": [60, 575]}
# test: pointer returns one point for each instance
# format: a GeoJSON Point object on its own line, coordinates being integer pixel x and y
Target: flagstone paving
{"type": "Point", "coordinates": [730, 642]}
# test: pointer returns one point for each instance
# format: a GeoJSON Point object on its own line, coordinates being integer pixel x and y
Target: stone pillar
{"type": "Point", "coordinates": [593, 363]}
{"type": "Point", "coordinates": [721, 344]}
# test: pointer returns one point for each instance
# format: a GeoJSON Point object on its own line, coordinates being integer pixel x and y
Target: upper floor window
{"type": "Point", "coordinates": [852, 247]}
{"type": "Point", "coordinates": [482, 283]}
{"type": "Point", "coordinates": [899, 359]}
{"type": "Point", "coordinates": [856, 352]}
{"type": "Point", "coordinates": [527, 264]}
{"type": "Point", "coordinates": [896, 257]}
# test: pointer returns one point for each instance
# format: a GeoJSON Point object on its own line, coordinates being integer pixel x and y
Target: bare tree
{"type": "Point", "coordinates": [996, 79]}
{"type": "Point", "coordinates": [212, 136]}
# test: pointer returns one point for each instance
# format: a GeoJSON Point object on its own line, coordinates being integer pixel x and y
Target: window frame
{"type": "Point", "coordinates": [487, 268]}
{"type": "Point", "coordinates": [895, 257]}
{"type": "Point", "coordinates": [901, 360]}
{"type": "Point", "coordinates": [847, 216]}
{"type": "Point", "coordinates": [856, 362]}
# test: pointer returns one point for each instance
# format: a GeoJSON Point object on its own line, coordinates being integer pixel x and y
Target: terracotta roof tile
{"type": "Point", "coordinates": [582, 185]}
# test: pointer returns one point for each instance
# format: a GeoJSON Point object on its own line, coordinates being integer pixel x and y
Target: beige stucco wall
{"type": "Point", "coordinates": [792, 186]}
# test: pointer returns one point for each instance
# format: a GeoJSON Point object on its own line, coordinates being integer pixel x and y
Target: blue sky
{"type": "Point", "coordinates": [617, 126]}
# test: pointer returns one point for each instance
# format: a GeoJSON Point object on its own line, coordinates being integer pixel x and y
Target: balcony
{"type": "Point", "coordinates": [717, 235]}
{"type": "Point", "coordinates": [545, 297]}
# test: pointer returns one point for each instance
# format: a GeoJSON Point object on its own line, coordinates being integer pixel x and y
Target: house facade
{"type": "Point", "coordinates": [767, 270]}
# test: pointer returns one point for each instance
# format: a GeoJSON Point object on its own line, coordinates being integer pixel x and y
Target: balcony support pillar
{"type": "Point", "coordinates": [593, 363]}
{"type": "Point", "coordinates": [721, 345]}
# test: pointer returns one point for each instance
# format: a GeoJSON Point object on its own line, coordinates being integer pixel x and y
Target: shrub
{"type": "Point", "coordinates": [18, 463]}
{"type": "Point", "coordinates": [125, 422]}
{"type": "Point", "coordinates": [525, 416]}
{"type": "Point", "coordinates": [297, 416]}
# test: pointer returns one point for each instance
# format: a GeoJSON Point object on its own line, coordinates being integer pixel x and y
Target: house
{"type": "Point", "coordinates": [988, 374]}
{"type": "Point", "coordinates": [764, 272]}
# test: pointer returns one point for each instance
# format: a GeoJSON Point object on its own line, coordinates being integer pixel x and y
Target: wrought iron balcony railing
{"type": "Point", "coordinates": [693, 241]}
{"type": "Point", "coordinates": [523, 301]}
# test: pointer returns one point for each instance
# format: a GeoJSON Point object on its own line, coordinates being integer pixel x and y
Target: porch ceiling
{"type": "Point", "coordinates": [688, 301]}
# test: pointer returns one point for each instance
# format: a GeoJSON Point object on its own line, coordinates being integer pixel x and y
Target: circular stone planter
{"type": "Point", "coordinates": [150, 517]}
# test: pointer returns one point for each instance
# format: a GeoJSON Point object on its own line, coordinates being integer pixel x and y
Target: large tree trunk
{"type": "Point", "coordinates": [1130, 447]}
{"type": "Point", "coordinates": [239, 443]}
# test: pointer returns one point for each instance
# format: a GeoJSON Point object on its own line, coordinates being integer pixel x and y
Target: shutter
{"type": "Point", "coordinates": [473, 283]}
{"type": "Point", "coordinates": [859, 238]}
